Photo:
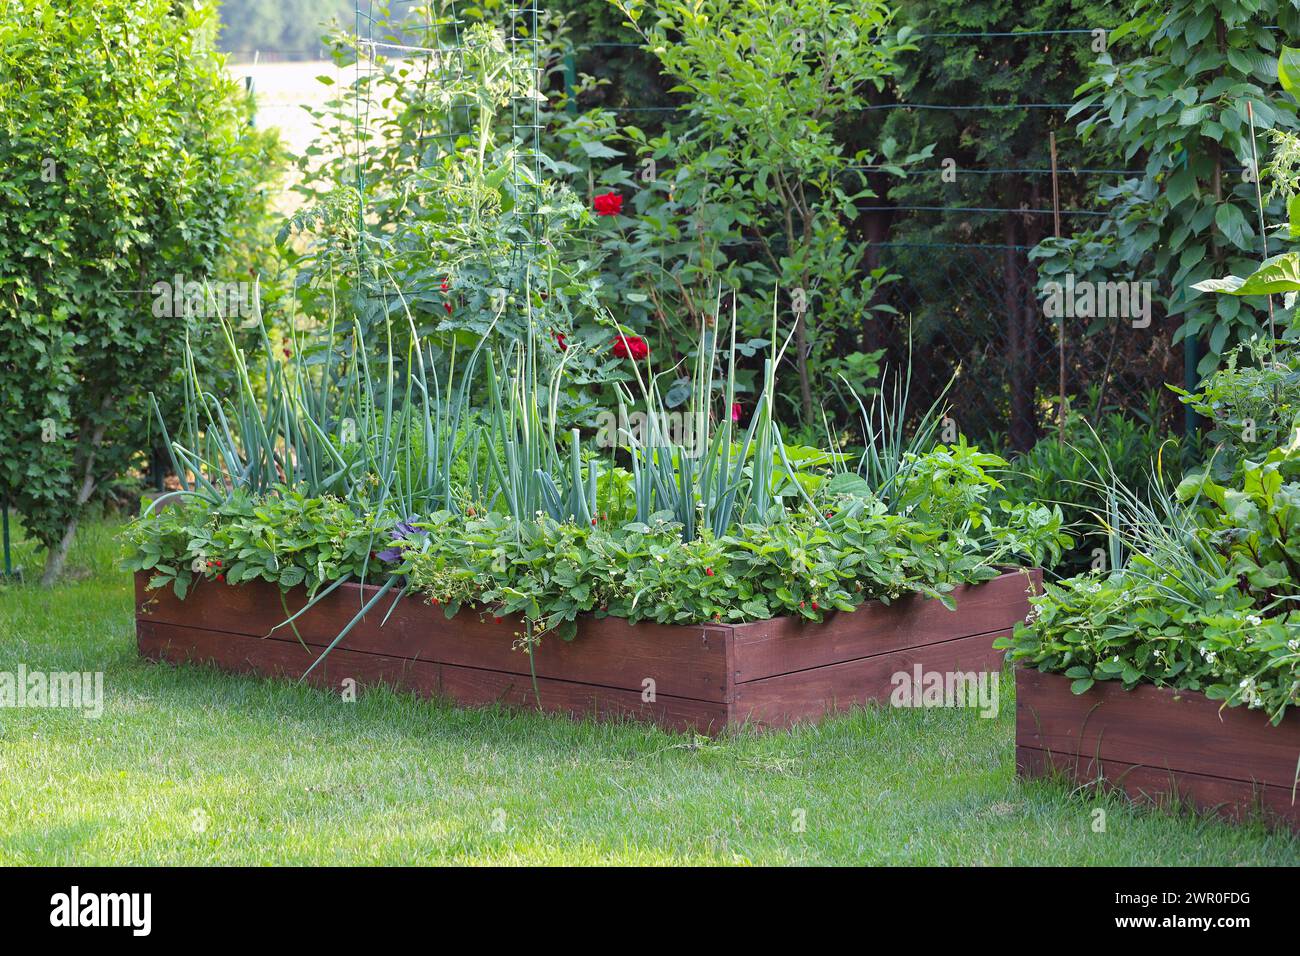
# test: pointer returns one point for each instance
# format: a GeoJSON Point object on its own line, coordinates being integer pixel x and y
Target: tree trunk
{"type": "Point", "coordinates": [877, 231]}
{"type": "Point", "coordinates": [57, 556]}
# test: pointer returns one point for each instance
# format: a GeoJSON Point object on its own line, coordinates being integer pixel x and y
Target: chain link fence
{"type": "Point", "coordinates": [976, 315]}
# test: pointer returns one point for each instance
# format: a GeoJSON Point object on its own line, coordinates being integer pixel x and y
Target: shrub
{"type": "Point", "coordinates": [1179, 97]}
{"type": "Point", "coordinates": [128, 160]}
{"type": "Point", "coordinates": [753, 184]}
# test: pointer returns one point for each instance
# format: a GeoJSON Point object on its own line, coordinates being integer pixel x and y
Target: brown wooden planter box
{"type": "Point", "coordinates": [704, 677]}
{"type": "Point", "coordinates": [1154, 743]}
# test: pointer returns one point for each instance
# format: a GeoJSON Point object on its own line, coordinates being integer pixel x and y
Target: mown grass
{"type": "Point", "coordinates": [190, 766]}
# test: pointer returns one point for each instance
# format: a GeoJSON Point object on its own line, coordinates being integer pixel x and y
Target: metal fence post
{"type": "Point", "coordinates": [1191, 381]}
{"type": "Point", "coordinates": [570, 82]}
{"type": "Point", "coordinates": [9, 568]}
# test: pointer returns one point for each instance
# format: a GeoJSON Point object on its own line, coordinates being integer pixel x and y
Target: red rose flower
{"type": "Point", "coordinates": [735, 411]}
{"type": "Point", "coordinates": [608, 204]}
{"type": "Point", "coordinates": [630, 346]}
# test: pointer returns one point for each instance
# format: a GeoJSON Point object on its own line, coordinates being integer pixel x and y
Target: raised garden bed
{"type": "Point", "coordinates": [1154, 743]}
{"type": "Point", "coordinates": [708, 678]}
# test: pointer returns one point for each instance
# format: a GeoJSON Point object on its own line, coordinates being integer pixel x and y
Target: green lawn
{"type": "Point", "coordinates": [190, 766]}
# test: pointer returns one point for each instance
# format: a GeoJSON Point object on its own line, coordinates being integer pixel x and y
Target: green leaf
{"type": "Point", "coordinates": [1278, 274]}
{"type": "Point", "coordinates": [1232, 223]}
{"type": "Point", "coordinates": [1179, 187]}
{"type": "Point", "coordinates": [1288, 68]}
{"type": "Point", "coordinates": [848, 483]}
{"type": "Point", "coordinates": [1081, 685]}
{"type": "Point", "coordinates": [1193, 115]}
{"type": "Point", "coordinates": [292, 576]}
{"type": "Point", "coordinates": [598, 150]}
{"type": "Point", "coordinates": [1228, 284]}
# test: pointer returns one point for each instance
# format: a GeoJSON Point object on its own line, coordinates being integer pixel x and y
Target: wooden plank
{"type": "Point", "coordinates": [255, 608]}
{"type": "Point", "coordinates": [685, 661]}
{"type": "Point", "coordinates": [473, 686]}
{"type": "Point", "coordinates": [1155, 727]}
{"type": "Point", "coordinates": [1236, 799]}
{"type": "Point", "coordinates": [809, 694]}
{"type": "Point", "coordinates": [468, 686]}
{"type": "Point", "coordinates": [783, 645]}
{"type": "Point", "coordinates": [271, 658]}
{"type": "Point", "coordinates": [681, 661]}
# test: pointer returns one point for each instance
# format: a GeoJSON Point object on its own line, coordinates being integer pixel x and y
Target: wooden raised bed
{"type": "Point", "coordinates": [707, 678]}
{"type": "Point", "coordinates": [1155, 743]}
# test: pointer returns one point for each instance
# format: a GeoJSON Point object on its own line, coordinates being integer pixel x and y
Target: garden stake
{"type": "Point", "coordinates": [1060, 331]}
{"type": "Point", "coordinates": [1264, 238]}
{"type": "Point", "coordinates": [4, 519]}
{"type": "Point", "coordinates": [1263, 234]}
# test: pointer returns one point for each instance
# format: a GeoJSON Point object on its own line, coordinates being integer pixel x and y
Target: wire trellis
{"type": "Point", "coordinates": [433, 31]}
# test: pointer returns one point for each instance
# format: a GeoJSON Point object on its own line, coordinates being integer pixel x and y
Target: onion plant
{"type": "Point", "coordinates": [713, 477]}
{"type": "Point", "coordinates": [532, 476]}
{"type": "Point", "coordinates": [350, 418]}
{"type": "Point", "coordinates": [890, 448]}
{"type": "Point", "coordinates": [1157, 537]}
